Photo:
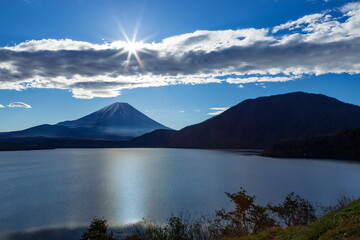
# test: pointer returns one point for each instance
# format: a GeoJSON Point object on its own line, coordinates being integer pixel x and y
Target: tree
{"type": "Point", "coordinates": [247, 217]}
{"type": "Point", "coordinates": [294, 211]}
{"type": "Point", "coordinates": [97, 231]}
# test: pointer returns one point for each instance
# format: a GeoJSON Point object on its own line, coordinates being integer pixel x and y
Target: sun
{"type": "Point", "coordinates": [132, 47]}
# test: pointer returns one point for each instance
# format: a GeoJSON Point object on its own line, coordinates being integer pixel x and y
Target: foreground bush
{"type": "Point", "coordinates": [343, 223]}
{"type": "Point", "coordinates": [176, 228]}
{"type": "Point", "coordinates": [247, 218]}
{"type": "Point", "coordinates": [294, 211]}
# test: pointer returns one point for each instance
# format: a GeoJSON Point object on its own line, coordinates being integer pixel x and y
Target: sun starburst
{"type": "Point", "coordinates": [132, 47]}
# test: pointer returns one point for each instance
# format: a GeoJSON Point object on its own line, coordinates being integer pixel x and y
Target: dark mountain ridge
{"type": "Point", "coordinates": [257, 123]}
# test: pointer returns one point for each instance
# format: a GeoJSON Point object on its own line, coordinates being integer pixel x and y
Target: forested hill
{"type": "Point", "coordinates": [341, 145]}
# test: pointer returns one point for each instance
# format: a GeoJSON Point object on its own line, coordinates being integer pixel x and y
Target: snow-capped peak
{"type": "Point", "coordinates": [116, 108]}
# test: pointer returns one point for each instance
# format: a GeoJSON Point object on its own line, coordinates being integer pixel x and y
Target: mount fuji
{"type": "Point", "coordinates": [118, 121]}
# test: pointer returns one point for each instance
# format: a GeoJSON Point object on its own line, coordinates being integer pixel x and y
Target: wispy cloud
{"type": "Point", "coordinates": [260, 85]}
{"type": "Point", "coordinates": [2, 106]}
{"type": "Point", "coordinates": [19, 105]}
{"type": "Point", "coordinates": [316, 44]}
{"type": "Point", "coordinates": [218, 110]}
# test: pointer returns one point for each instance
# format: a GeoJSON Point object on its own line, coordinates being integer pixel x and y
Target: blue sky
{"type": "Point", "coordinates": [245, 49]}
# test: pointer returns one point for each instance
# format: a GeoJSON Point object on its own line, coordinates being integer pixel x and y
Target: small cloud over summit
{"type": "Point", "coordinates": [218, 110]}
{"type": "Point", "coordinates": [19, 105]}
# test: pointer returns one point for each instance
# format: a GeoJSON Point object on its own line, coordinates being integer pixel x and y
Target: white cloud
{"type": "Point", "coordinates": [2, 106]}
{"type": "Point", "coordinates": [316, 44]}
{"type": "Point", "coordinates": [350, 7]}
{"type": "Point", "coordinates": [299, 23]}
{"type": "Point", "coordinates": [19, 105]}
{"type": "Point", "coordinates": [260, 85]}
{"type": "Point", "coordinates": [243, 80]}
{"type": "Point", "coordinates": [218, 110]}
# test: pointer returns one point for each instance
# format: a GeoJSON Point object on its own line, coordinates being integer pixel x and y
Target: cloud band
{"type": "Point", "coordinates": [312, 45]}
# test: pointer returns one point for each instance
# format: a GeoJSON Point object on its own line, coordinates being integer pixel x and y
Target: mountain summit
{"type": "Point", "coordinates": [118, 121]}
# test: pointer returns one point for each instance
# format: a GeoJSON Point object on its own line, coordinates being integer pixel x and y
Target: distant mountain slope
{"type": "Point", "coordinates": [118, 121]}
{"type": "Point", "coordinates": [341, 145]}
{"type": "Point", "coordinates": [44, 130]}
{"type": "Point", "coordinates": [258, 123]}
{"type": "Point", "coordinates": [157, 138]}
{"type": "Point", "coordinates": [54, 131]}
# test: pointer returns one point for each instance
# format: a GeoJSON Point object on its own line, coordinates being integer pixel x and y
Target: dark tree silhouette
{"type": "Point", "coordinates": [294, 211]}
{"type": "Point", "coordinates": [246, 218]}
{"type": "Point", "coordinates": [97, 231]}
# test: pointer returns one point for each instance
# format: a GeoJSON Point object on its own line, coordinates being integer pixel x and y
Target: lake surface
{"type": "Point", "coordinates": [68, 187]}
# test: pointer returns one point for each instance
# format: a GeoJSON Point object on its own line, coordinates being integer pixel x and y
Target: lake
{"type": "Point", "coordinates": [68, 187]}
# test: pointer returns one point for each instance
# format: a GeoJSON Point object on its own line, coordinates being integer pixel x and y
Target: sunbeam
{"type": "Point", "coordinates": [131, 46]}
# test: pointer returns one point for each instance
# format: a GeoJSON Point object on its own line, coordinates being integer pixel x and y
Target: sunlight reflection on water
{"type": "Point", "coordinates": [67, 188]}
